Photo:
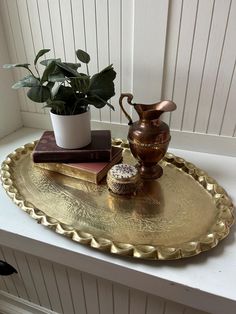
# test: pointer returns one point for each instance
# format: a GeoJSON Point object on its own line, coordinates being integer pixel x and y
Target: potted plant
{"type": "Point", "coordinates": [69, 94]}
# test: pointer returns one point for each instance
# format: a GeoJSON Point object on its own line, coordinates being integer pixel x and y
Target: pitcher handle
{"type": "Point", "coordinates": [129, 99]}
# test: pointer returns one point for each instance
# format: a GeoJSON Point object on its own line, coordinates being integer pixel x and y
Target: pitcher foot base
{"type": "Point", "coordinates": [150, 172]}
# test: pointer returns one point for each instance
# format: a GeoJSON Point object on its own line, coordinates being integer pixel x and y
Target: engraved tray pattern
{"type": "Point", "coordinates": [182, 214]}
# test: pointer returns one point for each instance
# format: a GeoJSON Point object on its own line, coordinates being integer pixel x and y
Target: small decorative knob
{"type": "Point", "coordinates": [6, 269]}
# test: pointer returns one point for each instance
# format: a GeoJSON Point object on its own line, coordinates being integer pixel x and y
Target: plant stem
{"type": "Point", "coordinates": [33, 74]}
{"type": "Point", "coordinates": [37, 70]}
{"type": "Point", "coordinates": [74, 108]}
{"type": "Point", "coordinates": [87, 68]}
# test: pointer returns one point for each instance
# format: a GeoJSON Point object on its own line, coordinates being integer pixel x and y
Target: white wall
{"type": "Point", "coordinates": [10, 118]}
{"type": "Point", "coordinates": [180, 50]}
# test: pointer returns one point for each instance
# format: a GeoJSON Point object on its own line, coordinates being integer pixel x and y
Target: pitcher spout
{"type": "Point", "coordinates": [154, 111]}
{"type": "Point", "coordinates": [146, 112]}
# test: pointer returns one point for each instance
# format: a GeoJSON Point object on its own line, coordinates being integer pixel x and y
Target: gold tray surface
{"type": "Point", "coordinates": [182, 214]}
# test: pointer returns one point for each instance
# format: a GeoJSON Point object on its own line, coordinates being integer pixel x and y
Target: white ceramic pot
{"type": "Point", "coordinates": [72, 131]}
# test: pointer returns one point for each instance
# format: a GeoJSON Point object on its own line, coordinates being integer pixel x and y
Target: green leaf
{"type": "Point", "coordinates": [55, 103]}
{"type": "Point", "coordinates": [39, 93]}
{"type": "Point", "coordinates": [109, 67]}
{"type": "Point", "coordinates": [105, 102]}
{"type": "Point", "coordinates": [67, 70]}
{"type": "Point", "coordinates": [47, 61]}
{"type": "Point", "coordinates": [74, 66]}
{"type": "Point", "coordinates": [81, 83]}
{"type": "Point", "coordinates": [98, 102]}
{"type": "Point", "coordinates": [55, 90]}
{"type": "Point", "coordinates": [18, 85]}
{"type": "Point", "coordinates": [82, 56]}
{"type": "Point", "coordinates": [60, 77]}
{"type": "Point", "coordinates": [28, 81]}
{"type": "Point", "coordinates": [40, 54]}
{"type": "Point", "coordinates": [102, 84]}
{"type": "Point", "coordinates": [16, 65]}
{"type": "Point", "coordinates": [110, 105]}
{"type": "Point", "coordinates": [50, 85]}
{"type": "Point", "coordinates": [56, 75]}
{"type": "Point", "coordinates": [57, 106]}
{"type": "Point", "coordinates": [50, 68]}
{"type": "Point", "coordinates": [65, 93]}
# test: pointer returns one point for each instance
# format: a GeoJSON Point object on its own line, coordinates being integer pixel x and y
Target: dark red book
{"type": "Point", "coordinates": [99, 149]}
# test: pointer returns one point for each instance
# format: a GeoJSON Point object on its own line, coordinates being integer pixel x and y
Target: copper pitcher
{"type": "Point", "coordinates": [148, 137]}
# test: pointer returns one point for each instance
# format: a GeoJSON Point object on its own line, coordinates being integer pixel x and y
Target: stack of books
{"type": "Point", "coordinates": [90, 163]}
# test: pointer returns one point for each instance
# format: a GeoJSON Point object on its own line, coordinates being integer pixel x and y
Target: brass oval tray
{"type": "Point", "coordinates": [182, 214]}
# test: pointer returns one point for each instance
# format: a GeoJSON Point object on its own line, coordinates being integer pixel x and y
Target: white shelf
{"type": "Point", "coordinates": [206, 282]}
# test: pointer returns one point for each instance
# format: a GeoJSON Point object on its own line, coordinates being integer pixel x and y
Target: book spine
{"type": "Point", "coordinates": [66, 157]}
{"type": "Point", "coordinates": [69, 171]}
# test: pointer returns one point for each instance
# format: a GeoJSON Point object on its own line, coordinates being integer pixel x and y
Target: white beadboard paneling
{"type": "Point", "coordinates": [138, 302]}
{"type": "Point", "coordinates": [121, 299]}
{"type": "Point", "coordinates": [64, 288]}
{"type": "Point", "coordinates": [150, 23]}
{"type": "Point", "coordinates": [16, 45]}
{"type": "Point", "coordinates": [46, 33]}
{"type": "Point", "coordinates": [186, 40]}
{"type": "Point", "coordinates": [10, 283]}
{"type": "Point", "coordinates": [225, 75]}
{"type": "Point", "coordinates": [127, 30]}
{"type": "Point", "coordinates": [148, 50]}
{"type": "Point", "coordinates": [34, 24]}
{"type": "Point", "coordinates": [18, 282]}
{"type": "Point", "coordinates": [91, 294]}
{"type": "Point", "coordinates": [155, 305]}
{"type": "Point", "coordinates": [52, 288]}
{"type": "Point", "coordinates": [214, 53]}
{"type": "Point", "coordinates": [36, 33]}
{"type": "Point", "coordinates": [228, 124]}
{"type": "Point", "coordinates": [175, 12]}
{"type": "Point", "coordinates": [67, 30]}
{"type": "Point", "coordinates": [28, 40]}
{"type": "Point", "coordinates": [77, 8]}
{"type": "Point", "coordinates": [46, 27]}
{"type": "Point", "coordinates": [10, 304]}
{"type": "Point", "coordinates": [10, 118]}
{"type": "Point", "coordinates": [102, 45]}
{"type": "Point", "coordinates": [27, 277]}
{"type": "Point", "coordinates": [90, 19]}
{"type": "Point", "coordinates": [105, 296]}
{"type": "Point", "coordinates": [13, 52]}
{"type": "Point", "coordinates": [57, 31]}
{"type": "Point", "coordinates": [115, 17]}
{"type": "Point", "coordinates": [173, 308]}
{"type": "Point", "coordinates": [2, 284]}
{"type": "Point", "coordinates": [39, 282]}
{"type": "Point", "coordinates": [77, 291]}
{"type": "Point", "coordinates": [196, 68]}
{"type": "Point", "coordinates": [69, 291]}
